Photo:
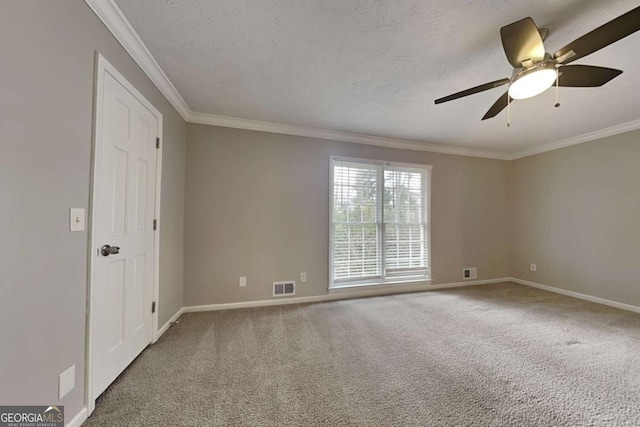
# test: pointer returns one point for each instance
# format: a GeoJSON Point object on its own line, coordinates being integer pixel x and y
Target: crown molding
{"type": "Point", "coordinates": [310, 132]}
{"type": "Point", "coordinates": [111, 15]}
{"type": "Point", "coordinates": [575, 140]}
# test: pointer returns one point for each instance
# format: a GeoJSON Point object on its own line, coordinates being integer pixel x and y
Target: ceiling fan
{"type": "Point", "coordinates": [535, 70]}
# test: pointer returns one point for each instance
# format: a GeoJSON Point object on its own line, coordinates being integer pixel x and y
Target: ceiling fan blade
{"type": "Point", "coordinates": [521, 41]}
{"type": "Point", "coordinates": [473, 90]}
{"type": "Point", "coordinates": [498, 106]}
{"type": "Point", "coordinates": [586, 76]}
{"type": "Point", "coordinates": [602, 36]}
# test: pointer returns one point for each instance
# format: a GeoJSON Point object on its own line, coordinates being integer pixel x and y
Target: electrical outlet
{"type": "Point", "coordinates": [66, 381]}
{"type": "Point", "coordinates": [243, 282]}
{"type": "Point", "coordinates": [303, 277]}
{"type": "Point", "coordinates": [533, 267]}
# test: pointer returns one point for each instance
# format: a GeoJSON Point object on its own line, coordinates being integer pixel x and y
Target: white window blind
{"type": "Point", "coordinates": [356, 221]}
{"type": "Point", "coordinates": [405, 222]}
{"type": "Point", "coordinates": [379, 222]}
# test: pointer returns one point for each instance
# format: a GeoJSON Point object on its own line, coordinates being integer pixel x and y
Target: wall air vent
{"type": "Point", "coordinates": [281, 289]}
{"type": "Point", "coordinates": [470, 273]}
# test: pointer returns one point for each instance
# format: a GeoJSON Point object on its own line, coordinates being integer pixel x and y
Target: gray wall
{"type": "Point", "coordinates": [48, 51]}
{"type": "Point", "coordinates": [575, 212]}
{"type": "Point", "coordinates": [257, 205]}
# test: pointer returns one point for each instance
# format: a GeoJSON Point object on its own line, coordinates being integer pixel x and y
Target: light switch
{"type": "Point", "coordinates": [242, 282]}
{"type": "Point", "coordinates": [76, 219]}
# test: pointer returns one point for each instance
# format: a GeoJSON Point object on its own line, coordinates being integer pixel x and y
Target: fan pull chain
{"type": "Point", "coordinates": [508, 111]}
{"type": "Point", "coordinates": [557, 104]}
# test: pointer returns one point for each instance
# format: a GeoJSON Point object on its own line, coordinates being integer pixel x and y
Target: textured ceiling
{"type": "Point", "coordinates": [375, 66]}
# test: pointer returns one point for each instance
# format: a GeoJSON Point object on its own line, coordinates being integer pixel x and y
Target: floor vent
{"type": "Point", "coordinates": [281, 289]}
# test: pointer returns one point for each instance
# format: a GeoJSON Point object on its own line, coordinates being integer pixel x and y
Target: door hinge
{"type": "Point", "coordinates": [155, 224]}
{"type": "Point", "coordinates": [153, 307]}
{"type": "Point", "coordinates": [157, 142]}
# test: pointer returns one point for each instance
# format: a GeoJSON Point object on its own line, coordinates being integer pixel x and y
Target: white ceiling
{"type": "Point", "coordinates": [375, 66]}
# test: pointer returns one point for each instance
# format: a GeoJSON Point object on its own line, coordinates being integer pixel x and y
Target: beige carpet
{"type": "Point", "coordinates": [494, 355]}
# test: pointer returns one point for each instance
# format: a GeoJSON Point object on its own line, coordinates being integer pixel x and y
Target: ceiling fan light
{"type": "Point", "coordinates": [532, 83]}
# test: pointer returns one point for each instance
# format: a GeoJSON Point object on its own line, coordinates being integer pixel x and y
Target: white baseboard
{"type": "Point", "coordinates": [578, 295]}
{"type": "Point", "coordinates": [167, 325]}
{"type": "Point", "coordinates": [344, 293]}
{"type": "Point", "coordinates": [418, 286]}
{"type": "Point", "coordinates": [78, 419]}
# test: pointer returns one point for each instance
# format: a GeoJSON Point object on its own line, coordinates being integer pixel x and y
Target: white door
{"type": "Point", "coordinates": [123, 231]}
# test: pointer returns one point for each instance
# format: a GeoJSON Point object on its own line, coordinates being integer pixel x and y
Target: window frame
{"type": "Point", "coordinates": [426, 201]}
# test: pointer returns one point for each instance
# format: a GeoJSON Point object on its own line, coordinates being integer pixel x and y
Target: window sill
{"type": "Point", "coordinates": [381, 286]}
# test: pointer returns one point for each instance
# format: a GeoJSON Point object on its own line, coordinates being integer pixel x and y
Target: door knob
{"type": "Point", "coordinates": [107, 250]}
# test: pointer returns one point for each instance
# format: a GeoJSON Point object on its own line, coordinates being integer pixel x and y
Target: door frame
{"type": "Point", "coordinates": [103, 66]}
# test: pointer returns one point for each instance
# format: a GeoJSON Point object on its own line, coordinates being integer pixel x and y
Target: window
{"type": "Point", "coordinates": [379, 222]}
